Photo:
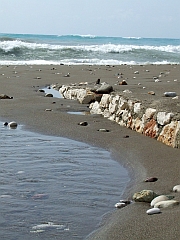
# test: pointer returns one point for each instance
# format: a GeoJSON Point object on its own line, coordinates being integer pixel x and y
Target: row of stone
{"type": "Point", "coordinates": [128, 113]}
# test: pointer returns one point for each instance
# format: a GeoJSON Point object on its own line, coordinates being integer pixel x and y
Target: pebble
{"type": "Point", "coordinates": [151, 93]}
{"type": "Point", "coordinates": [83, 123]}
{"type": "Point", "coordinates": [12, 124]}
{"type": "Point", "coordinates": [151, 179]}
{"type": "Point", "coordinates": [103, 130]}
{"type": "Point", "coordinates": [153, 211]}
{"type": "Point", "coordinates": [176, 188]}
{"type": "Point", "coordinates": [120, 205]}
{"type": "Point", "coordinates": [170, 94]}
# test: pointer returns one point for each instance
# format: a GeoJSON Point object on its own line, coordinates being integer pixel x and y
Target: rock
{"type": "Point", "coordinates": [149, 113]}
{"type": "Point", "coordinates": [125, 201]}
{"type": "Point", "coordinates": [166, 204]}
{"type": "Point", "coordinates": [48, 95]}
{"type": "Point", "coordinates": [170, 94]}
{"type": "Point", "coordinates": [12, 125]}
{"type": "Point", "coordinates": [104, 89]}
{"type": "Point", "coordinates": [120, 205]}
{"type": "Point", "coordinates": [5, 123]}
{"type": "Point", "coordinates": [41, 90]}
{"type": "Point", "coordinates": [151, 179]}
{"type": "Point", "coordinates": [151, 92]}
{"type": "Point", "coordinates": [48, 109]}
{"type": "Point", "coordinates": [144, 196]}
{"type": "Point", "coordinates": [176, 188]}
{"type": "Point", "coordinates": [151, 129]}
{"type": "Point", "coordinates": [83, 123]}
{"type": "Point", "coordinates": [169, 134]}
{"type": "Point", "coordinates": [137, 107]}
{"type": "Point", "coordinates": [103, 130]}
{"type": "Point", "coordinates": [123, 82]}
{"type": "Point", "coordinates": [164, 118]}
{"type": "Point", "coordinates": [4, 96]}
{"type": "Point", "coordinates": [153, 211]}
{"type": "Point", "coordinates": [98, 81]}
{"type": "Point", "coordinates": [160, 198]}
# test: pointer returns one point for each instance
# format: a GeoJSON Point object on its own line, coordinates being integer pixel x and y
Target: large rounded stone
{"type": "Point", "coordinates": [144, 196]}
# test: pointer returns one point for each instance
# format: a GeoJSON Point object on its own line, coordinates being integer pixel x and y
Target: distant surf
{"type": "Point", "coordinates": [33, 49]}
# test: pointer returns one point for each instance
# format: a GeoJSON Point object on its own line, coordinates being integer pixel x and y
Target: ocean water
{"type": "Point", "coordinates": [54, 188]}
{"type": "Point", "coordinates": [79, 49]}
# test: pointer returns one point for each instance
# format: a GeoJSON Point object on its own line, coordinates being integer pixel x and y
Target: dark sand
{"type": "Point", "coordinates": [142, 156]}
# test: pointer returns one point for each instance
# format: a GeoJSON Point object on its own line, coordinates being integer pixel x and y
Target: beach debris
{"type": "Point", "coordinates": [120, 205]}
{"type": "Point", "coordinates": [12, 124]}
{"type": "Point", "coordinates": [152, 211]}
{"type": "Point", "coordinates": [160, 199]}
{"type": "Point", "coordinates": [176, 188]}
{"type": "Point", "coordinates": [4, 96]}
{"type": "Point", "coordinates": [170, 94]}
{"type": "Point", "coordinates": [166, 204]}
{"type": "Point", "coordinates": [103, 130]}
{"type": "Point", "coordinates": [123, 82]}
{"type": "Point", "coordinates": [48, 95]}
{"type": "Point", "coordinates": [151, 92]}
{"type": "Point", "coordinates": [83, 123]}
{"type": "Point", "coordinates": [151, 179]}
{"type": "Point", "coordinates": [144, 196]}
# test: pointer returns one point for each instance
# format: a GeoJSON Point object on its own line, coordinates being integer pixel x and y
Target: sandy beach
{"type": "Point", "coordinates": [142, 156]}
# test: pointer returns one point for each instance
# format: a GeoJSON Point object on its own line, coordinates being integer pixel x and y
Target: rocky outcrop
{"type": "Point", "coordinates": [131, 113]}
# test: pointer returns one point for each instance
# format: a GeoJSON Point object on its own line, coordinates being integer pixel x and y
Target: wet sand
{"type": "Point", "coordinates": [142, 156]}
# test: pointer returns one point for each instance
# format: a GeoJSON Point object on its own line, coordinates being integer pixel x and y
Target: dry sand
{"type": "Point", "coordinates": [142, 156]}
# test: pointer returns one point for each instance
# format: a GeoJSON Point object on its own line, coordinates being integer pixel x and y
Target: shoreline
{"type": "Point", "coordinates": [142, 156]}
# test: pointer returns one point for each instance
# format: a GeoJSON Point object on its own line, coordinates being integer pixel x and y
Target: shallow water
{"type": "Point", "coordinates": [54, 188]}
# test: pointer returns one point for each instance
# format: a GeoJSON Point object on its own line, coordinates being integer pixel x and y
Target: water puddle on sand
{"type": "Point", "coordinates": [55, 93]}
{"type": "Point", "coordinates": [80, 113]}
{"type": "Point", "coordinates": [53, 187]}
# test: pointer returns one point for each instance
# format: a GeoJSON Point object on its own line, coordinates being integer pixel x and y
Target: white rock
{"type": "Point", "coordinates": [137, 107]}
{"type": "Point", "coordinates": [120, 205]}
{"type": "Point", "coordinates": [149, 113]}
{"type": "Point", "coordinates": [153, 211]}
{"type": "Point", "coordinates": [166, 204]}
{"type": "Point", "coordinates": [176, 188]}
{"type": "Point", "coordinates": [164, 118]}
{"type": "Point", "coordinates": [158, 199]}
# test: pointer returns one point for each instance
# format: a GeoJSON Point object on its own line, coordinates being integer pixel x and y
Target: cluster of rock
{"type": "Point", "coordinates": [130, 113]}
{"type": "Point", "coordinates": [157, 202]}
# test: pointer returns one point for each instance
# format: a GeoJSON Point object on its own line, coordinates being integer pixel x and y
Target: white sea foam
{"type": "Point", "coordinates": [103, 48]}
